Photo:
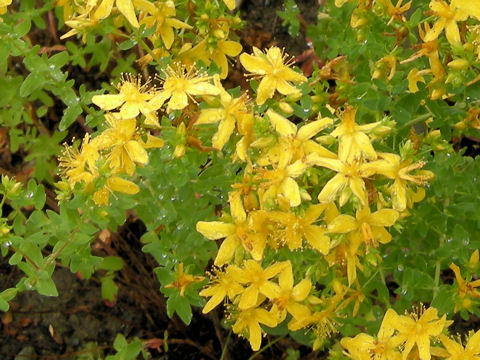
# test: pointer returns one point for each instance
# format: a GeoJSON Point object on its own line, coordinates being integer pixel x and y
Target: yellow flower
{"type": "Point", "coordinates": [323, 320]}
{"type": "Point", "coordinates": [396, 12]}
{"type": "Point", "coordinates": [399, 170]}
{"type": "Point", "coordinates": [353, 141]}
{"type": "Point", "coordinates": [385, 68]}
{"type": "Point", "coordinates": [294, 142]}
{"type": "Point", "coordinates": [117, 184]}
{"type": "Point", "coordinates": [181, 137]}
{"type": "Point", "coordinates": [366, 226]}
{"type": "Point", "coordinates": [290, 297]}
{"type": "Point", "coordinates": [471, 351]}
{"type": "Point", "coordinates": [258, 279]}
{"type": "Point", "coordinates": [247, 323]}
{"type": "Point", "coordinates": [448, 15]}
{"type": "Point", "coordinates": [183, 280]}
{"type": "Point", "coordinates": [237, 233]}
{"type": "Point", "coordinates": [127, 10]}
{"type": "Point", "coordinates": [414, 76]}
{"type": "Point", "coordinates": [179, 84]}
{"type": "Point", "coordinates": [132, 99]}
{"type": "Point", "coordinates": [218, 53]}
{"type": "Point", "coordinates": [280, 182]}
{"type": "Point", "coordinates": [350, 174]}
{"type": "Point", "coordinates": [230, 4]}
{"type": "Point", "coordinates": [275, 74]}
{"type": "Point", "coordinates": [221, 286]}
{"type": "Point", "coordinates": [301, 227]}
{"type": "Point", "coordinates": [3, 6]}
{"type": "Point", "coordinates": [125, 147]}
{"type": "Point", "coordinates": [383, 347]}
{"type": "Point", "coordinates": [466, 289]}
{"type": "Point", "coordinates": [161, 14]}
{"type": "Point", "coordinates": [231, 112]}
{"type": "Point", "coordinates": [80, 166]}
{"type": "Point", "coordinates": [417, 329]}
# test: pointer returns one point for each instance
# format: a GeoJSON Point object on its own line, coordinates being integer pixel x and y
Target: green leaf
{"type": "Point", "coordinates": [112, 263]}
{"type": "Point", "coordinates": [109, 288]}
{"type": "Point", "coordinates": [15, 258]}
{"type": "Point", "coordinates": [31, 83]}
{"type": "Point", "coordinates": [69, 116]}
{"type": "Point", "coordinates": [39, 197]}
{"type": "Point", "coordinates": [46, 286]}
{"type": "Point", "coordinates": [181, 306]}
{"type": "Point", "coordinates": [127, 44]}
{"type": "Point", "coordinates": [4, 306]}
{"type": "Point", "coordinates": [22, 28]}
{"type": "Point", "coordinates": [120, 342]}
{"type": "Point", "coordinates": [6, 296]}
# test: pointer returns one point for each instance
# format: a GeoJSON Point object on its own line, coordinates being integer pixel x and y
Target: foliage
{"type": "Point", "coordinates": [314, 204]}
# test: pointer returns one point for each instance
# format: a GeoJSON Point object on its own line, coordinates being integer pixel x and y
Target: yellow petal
{"type": "Point", "coordinates": [383, 217]}
{"type": "Point", "coordinates": [255, 64]}
{"type": "Point", "coordinates": [230, 48]}
{"type": "Point", "coordinates": [249, 298]}
{"type": "Point", "coordinates": [123, 186]}
{"type": "Point", "coordinates": [153, 142]}
{"type": "Point", "coordinates": [167, 35]}
{"type": "Point", "coordinates": [236, 207]}
{"type": "Point", "coordinates": [220, 59]}
{"type": "Point", "coordinates": [289, 188]}
{"type": "Point", "coordinates": [127, 10]}
{"type": "Point", "coordinates": [214, 230]}
{"type": "Point", "coordinates": [103, 10]}
{"type": "Point", "coordinates": [285, 88]}
{"type": "Point", "coordinates": [357, 185]}
{"type": "Point", "coordinates": [282, 125]}
{"type": "Point", "coordinates": [342, 224]}
{"type": "Point", "coordinates": [266, 89]}
{"type": "Point", "coordinates": [230, 4]}
{"type": "Point", "coordinates": [301, 290]}
{"type": "Point", "coordinates": [255, 336]}
{"type": "Point", "coordinates": [210, 116]}
{"type": "Point", "coordinates": [331, 188]}
{"type": "Point", "coordinates": [136, 152]}
{"type": "Point", "coordinates": [101, 196]}
{"type": "Point", "coordinates": [225, 130]}
{"type": "Point", "coordinates": [316, 237]}
{"type": "Point", "coordinates": [226, 250]}
{"type": "Point", "coordinates": [215, 300]}
{"type": "Point", "coordinates": [308, 131]}
{"type": "Point", "coordinates": [178, 101]}
{"type": "Point", "coordinates": [452, 32]}
{"type": "Point", "coordinates": [203, 88]}
{"type": "Point", "coordinates": [108, 102]}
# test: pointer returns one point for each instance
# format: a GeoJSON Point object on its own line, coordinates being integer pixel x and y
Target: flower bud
{"type": "Point", "coordinates": [458, 64]}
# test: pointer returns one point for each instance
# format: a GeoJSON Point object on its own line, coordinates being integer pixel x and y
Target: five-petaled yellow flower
{"type": "Point", "coordinates": [132, 99]}
{"type": "Point", "coordinates": [275, 74]}
{"type": "Point", "coordinates": [179, 84]}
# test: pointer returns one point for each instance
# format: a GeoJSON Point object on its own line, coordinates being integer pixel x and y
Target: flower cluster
{"type": "Point", "coordinates": [453, 55]}
{"type": "Point", "coordinates": [335, 199]}
{"type": "Point", "coordinates": [114, 152]}
{"type": "Point", "coordinates": [411, 336]}
{"type": "Point", "coordinates": [210, 30]}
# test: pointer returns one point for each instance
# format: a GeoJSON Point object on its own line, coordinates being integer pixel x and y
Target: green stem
{"type": "Point", "coordinates": [224, 350]}
{"type": "Point", "coordinates": [414, 121]}
{"type": "Point", "coordinates": [266, 347]}
{"type": "Point", "coordinates": [1, 204]}
{"type": "Point", "coordinates": [437, 269]}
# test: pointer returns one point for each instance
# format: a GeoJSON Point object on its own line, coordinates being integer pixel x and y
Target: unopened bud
{"type": "Point", "coordinates": [458, 64]}
{"type": "Point", "coordinates": [285, 107]}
